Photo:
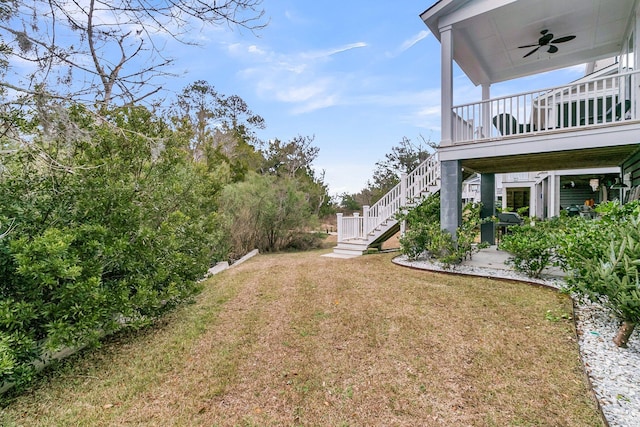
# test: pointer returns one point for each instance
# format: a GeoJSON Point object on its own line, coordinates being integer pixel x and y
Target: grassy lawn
{"type": "Point", "coordinates": [298, 339]}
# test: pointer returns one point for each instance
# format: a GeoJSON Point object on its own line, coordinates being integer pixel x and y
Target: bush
{"type": "Point", "coordinates": [304, 241]}
{"type": "Point", "coordinates": [424, 235]}
{"type": "Point", "coordinates": [111, 226]}
{"type": "Point", "coordinates": [265, 212]}
{"type": "Point", "coordinates": [602, 259]}
{"type": "Point", "coordinates": [532, 247]}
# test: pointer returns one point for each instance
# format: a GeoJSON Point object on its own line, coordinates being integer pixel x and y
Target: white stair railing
{"type": "Point", "coordinates": [422, 181]}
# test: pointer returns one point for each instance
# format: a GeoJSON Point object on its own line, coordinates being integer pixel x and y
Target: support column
{"type": "Point", "coordinates": [486, 111]}
{"type": "Point", "coordinates": [451, 196]}
{"type": "Point", "coordinates": [488, 199]}
{"type": "Point", "coordinates": [635, 106]}
{"type": "Point", "coordinates": [446, 85]}
{"type": "Point", "coordinates": [554, 195]}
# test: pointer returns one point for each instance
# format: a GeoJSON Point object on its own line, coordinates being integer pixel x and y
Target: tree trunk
{"type": "Point", "coordinates": [622, 337]}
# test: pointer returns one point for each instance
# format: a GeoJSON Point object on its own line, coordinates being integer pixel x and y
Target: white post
{"type": "Point", "coordinates": [446, 85]}
{"type": "Point", "coordinates": [357, 222]}
{"type": "Point", "coordinates": [486, 111]}
{"type": "Point", "coordinates": [339, 227]}
{"type": "Point", "coordinates": [635, 94]}
{"type": "Point", "coordinates": [403, 190]}
{"type": "Point", "coordinates": [367, 221]}
{"type": "Point", "coordinates": [403, 200]}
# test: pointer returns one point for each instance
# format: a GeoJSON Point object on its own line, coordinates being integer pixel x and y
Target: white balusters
{"type": "Point", "coordinates": [424, 179]}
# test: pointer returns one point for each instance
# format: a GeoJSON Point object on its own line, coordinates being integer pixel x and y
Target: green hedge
{"type": "Point", "coordinates": [108, 223]}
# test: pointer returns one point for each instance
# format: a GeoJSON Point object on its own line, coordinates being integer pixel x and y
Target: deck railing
{"type": "Point", "coordinates": [598, 102]}
{"type": "Point", "coordinates": [413, 186]}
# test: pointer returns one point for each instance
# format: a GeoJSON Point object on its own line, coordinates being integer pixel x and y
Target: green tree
{"type": "Point", "coordinates": [220, 128]}
{"type": "Point", "coordinates": [294, 160]}
{"type": "Point", "coordinates": [348, 202]}
{"type": "Point", "coordinates": [403, 158]}
{"type": "Point", "coordinates": [106, 223]}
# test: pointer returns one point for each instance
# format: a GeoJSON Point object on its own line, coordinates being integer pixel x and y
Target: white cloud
{"type": "Point", "coordinates": [235, 48]}
{"type": "Point", "coordinates": [317, 103]}
{"type": "Point", "coordinates": [332, 51]}
{"type": "Point", "coordinates": [409, 43]}
{"type": "Point", "coordinates": [301, 79]}
{"type": "Point", "coordinates": [255, 50]}
{"type": "Point", "coordinates": [427, 117]}
{"type": "Point", "coordinates": [302, 93]}
{"type": "Point", "coordinates": [403, 98]}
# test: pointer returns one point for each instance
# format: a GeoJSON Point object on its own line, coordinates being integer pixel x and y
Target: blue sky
{"type": "Point", "coordinates": [358, 75]}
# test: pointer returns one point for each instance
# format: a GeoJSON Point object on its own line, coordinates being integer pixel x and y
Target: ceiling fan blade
{"type": "Point", "coordinates": [552, 49]}
{"type": "Point", "coordinates": [532, 52]}
{"type": "Point", "coordinates": [528, 45]}
{"type": "Point", "coordinates": [563, 39]}
{"type": "Point", "coordinates": [544, 40]}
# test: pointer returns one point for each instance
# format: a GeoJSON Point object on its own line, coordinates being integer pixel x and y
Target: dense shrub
{"type": "Point", "coordinates": [602, 259]}
{"type": "Point", "coordinates": [265, 212]}
{"type": "Point", "coordinates": [109, 217]}
{"type": "Point", "coordinates": [424, 236]}
{"type": "Point", "coordinates": [614, 280]}
{"type": "Point", "coordinates": [423, 233]}
{"type": "Point", "coordinates": [532, 247]}
{"type": "Point", "coordinates": [109, 223]}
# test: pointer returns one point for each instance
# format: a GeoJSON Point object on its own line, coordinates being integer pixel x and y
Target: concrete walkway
{"type": "Point", "coordinates": [492, 257]}
{"type": "Point", "coordinates": [488, 262]}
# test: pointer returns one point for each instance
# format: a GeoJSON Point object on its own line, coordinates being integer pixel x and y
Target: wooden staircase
{"type": "Point", "coordinates": [377, 223]}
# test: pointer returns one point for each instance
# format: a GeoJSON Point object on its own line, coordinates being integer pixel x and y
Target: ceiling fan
{"type": "Point", "coordinates": [547, 40]}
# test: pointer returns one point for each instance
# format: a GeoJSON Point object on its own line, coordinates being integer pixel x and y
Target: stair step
{"type": "Point", "coordinates": [353, 246]}
{"type": "Point", "coordinates": [351, 252]}
{"type": "Point", "coordinates": [342, 256]}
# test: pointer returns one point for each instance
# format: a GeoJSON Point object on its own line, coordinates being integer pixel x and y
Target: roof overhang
{"type": "Point", "coordinates": [487, 33]}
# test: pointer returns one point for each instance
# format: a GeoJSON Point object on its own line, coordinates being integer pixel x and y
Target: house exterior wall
{"type": "Point", "coordinates": [577, 196]}
{"type": "Point", "coordinates": [631, 168]}
{"type": "Point", "coordinates": [630, 59]}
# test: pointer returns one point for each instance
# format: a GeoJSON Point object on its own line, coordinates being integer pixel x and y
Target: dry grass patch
{"type": "Point", "coordinates": [297, 339]}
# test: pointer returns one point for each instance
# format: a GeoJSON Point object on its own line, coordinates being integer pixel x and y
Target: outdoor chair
{"type": "Point", "coordinates": [607, 117]}
{"type": "Point", "coordinates": [620, 115]}
{"type": "Point", "coordinates": [508, 125]}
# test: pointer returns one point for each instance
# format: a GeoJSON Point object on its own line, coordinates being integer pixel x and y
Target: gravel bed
{"type": "Point", "coordinates": [614, 372]}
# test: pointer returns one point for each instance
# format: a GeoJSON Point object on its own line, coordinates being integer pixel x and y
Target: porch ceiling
{"type": "Point", "coordinates": [487, 34]}
{"type": "Point", "coordinates": [571, 159]}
